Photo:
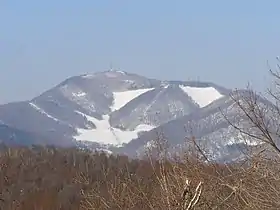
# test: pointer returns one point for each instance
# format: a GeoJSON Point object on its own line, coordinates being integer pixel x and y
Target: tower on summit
{"type": "Point", "coordinates": [111, 67]}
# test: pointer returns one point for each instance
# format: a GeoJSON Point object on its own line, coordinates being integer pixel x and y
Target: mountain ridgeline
{"type": "Point", "coordinates": [122, 112]}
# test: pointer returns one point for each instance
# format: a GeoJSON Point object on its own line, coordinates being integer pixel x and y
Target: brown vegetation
{"type": "Point", "coordinates": [49, 178]}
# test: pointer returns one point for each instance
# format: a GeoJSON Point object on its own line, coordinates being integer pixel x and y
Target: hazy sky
{"type": "Point", "coordinates": [226, 42]}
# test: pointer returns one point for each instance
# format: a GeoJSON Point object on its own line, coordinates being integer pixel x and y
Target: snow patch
{"type": "Point", "coordinates": [106, 151]}
{"type": "Point", "coordinates": [43, 112]}
{"type": "Point", "coordinates": [121, 72]}
{"type": "Point", "coordinates": [241, 139]}
{"type": "Point", "coordinates": [144, 127]}
{"type": "Point", "coordinates": [122, 98]}
{"type": "Point", "coordinates": [79, 94]}
{"type": "Point", "coordinates": [129, 81]}
{"type": "Point", "coordinates": [202, 96]}
{"type": "Point", "coordinates": [87, 76]}
{"type": "Point", "coordinates": [150, 144]}
{"type": "Point", "coordinates": [105, 134]}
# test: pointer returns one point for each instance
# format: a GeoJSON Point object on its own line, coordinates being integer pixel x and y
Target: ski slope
{"type": "Point", "coordinates": [105, 134]}
{"type": "Point", "coordinates": [122, 98]}
{"type": "Point", "coordinates": [202, 96]}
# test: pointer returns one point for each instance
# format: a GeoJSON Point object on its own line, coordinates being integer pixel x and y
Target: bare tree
{"type": "Point", "coordinates": [260, 112]}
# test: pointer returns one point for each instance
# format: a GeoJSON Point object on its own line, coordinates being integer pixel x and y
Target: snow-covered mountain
{"type": "Point", "coordinates": [121, 110]}
{"type": "Point", "coordinates": [212, 131]}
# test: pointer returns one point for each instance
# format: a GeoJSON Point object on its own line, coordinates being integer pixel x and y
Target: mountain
{"type": "Point", "coordinates": [15, 137]}
{"type": "Point", "coordinates": [123, 112]}
{"type": "Point", "coordinates": [211, 129]}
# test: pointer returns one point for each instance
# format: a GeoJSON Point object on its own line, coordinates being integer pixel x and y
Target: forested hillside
{"type": "Point", "coordinates": [48, 178]}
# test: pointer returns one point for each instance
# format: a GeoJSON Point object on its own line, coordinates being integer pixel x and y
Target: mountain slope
{"type": "Point", "coordinates": [15, 137]}
{"type": "Point", "coordinates": [109, 108]}
{"type": "Point", "coordinates": [211, 128]}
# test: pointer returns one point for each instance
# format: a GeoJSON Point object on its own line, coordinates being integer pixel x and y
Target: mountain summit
{"type": "Point", "coordinates": [115, 109]}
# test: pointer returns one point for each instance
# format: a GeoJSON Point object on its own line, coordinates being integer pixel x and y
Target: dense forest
{"type": "Point", "coordinates": [51, 178]}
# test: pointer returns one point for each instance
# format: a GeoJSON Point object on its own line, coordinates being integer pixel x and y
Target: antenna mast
{"type": "Point", "coordinates": [111, 67]}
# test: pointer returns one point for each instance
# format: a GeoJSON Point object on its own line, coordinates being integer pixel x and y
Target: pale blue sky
{"type": "Point", "coordinates": [226, 42]}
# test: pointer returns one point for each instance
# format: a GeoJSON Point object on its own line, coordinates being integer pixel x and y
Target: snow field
{"type": "Point", "coordinates": [202, 96]}
{"type": "Point", "coordinates": [105, 134]}
{"type": "Point", "coordinates": [122, 98]}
